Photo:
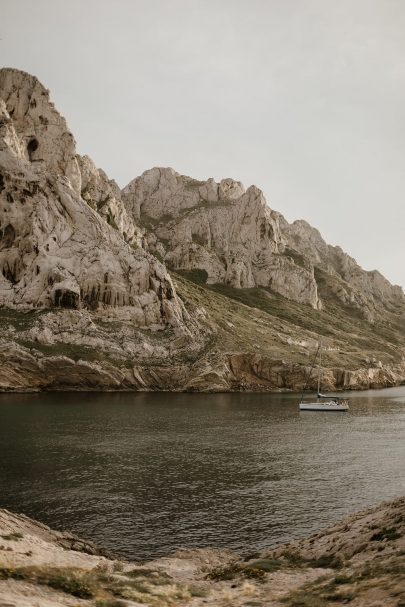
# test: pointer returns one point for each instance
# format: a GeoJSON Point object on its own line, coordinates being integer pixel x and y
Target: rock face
{"type": "Point", "coordinates": [86, 304]}
{"type": "Point", "coordinates": [239, 241]}
{"type": "Point", "coordinates": [36, 131]}
{"type": "Point", "coordinates": [55, 250]}
{"type": "Point", "coordinates": [348, 282]}
{"type": "Point", "coordinates": [104, 196]}
{"type": "Point", "coordinates": [230, 233]}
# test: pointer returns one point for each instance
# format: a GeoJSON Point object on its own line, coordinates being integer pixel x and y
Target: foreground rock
{"type": "Point", "coordinates": [359, 561]}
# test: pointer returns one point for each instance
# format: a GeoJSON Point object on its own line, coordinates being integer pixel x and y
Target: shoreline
{"type": "Point", "coordinates": [271, 391]}
{"type": "Point", "coordinates": [360, 560]}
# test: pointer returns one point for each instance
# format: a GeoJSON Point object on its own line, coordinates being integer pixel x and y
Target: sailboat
{"type": "Point", "coordinates": [322, 402]}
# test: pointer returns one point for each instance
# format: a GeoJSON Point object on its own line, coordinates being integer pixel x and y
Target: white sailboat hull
{"type": "Point", "coordinates": [325, 406]}
{"type": "Point", "coordinates": [323, 401]}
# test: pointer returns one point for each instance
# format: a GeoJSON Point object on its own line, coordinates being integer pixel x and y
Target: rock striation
{"type": "Point", "coordinates": [234, 236]}
{"type": "Point", "coordinates": [219, 227]}
{"type": "Point", "coordinates": [55, 249]}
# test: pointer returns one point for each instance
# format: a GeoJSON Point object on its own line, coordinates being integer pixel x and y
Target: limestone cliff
{"type": "Point", "coordinates": [55, 250]}
{"type": "Point", "coordinates": [239, 241]}
{"type": "Point", "coordinates": [104, 196]}
{"type": "Point", "coordinates": [347, 281]}
{"type": "Point", "coordinates": [221, 228]}
{"type": "Point", "coordinates": [86, 302]}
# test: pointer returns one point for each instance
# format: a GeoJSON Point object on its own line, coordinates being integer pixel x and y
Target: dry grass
{"type": "Point", "coordinates": [264, 322]}
{"type": "Point", "coordinates": [108, 589]}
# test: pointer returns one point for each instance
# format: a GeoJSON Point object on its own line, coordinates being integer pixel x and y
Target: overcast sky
{"type": "Point", "coordinates": [303, 98]}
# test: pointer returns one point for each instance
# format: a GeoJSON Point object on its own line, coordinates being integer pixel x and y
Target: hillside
{"type": "Point", "coordinates": [172, 283]}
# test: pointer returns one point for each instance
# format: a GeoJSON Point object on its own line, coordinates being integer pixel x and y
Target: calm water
{"type": "Point", "coordinates": [145, 473]}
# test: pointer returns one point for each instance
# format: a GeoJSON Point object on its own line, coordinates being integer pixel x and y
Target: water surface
{"type": "Point", "coordinates": [143, 474]}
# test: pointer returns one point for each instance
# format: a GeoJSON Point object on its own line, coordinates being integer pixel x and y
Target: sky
{"type": "Point", "coordinates": [303, 98]}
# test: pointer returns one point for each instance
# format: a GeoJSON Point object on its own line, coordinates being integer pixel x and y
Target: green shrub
{"type": "Point", "coordinates": [231, 571]}
{"type": "Point", "coordinates": [12, 536]}
{"type": "Point", "coordinates": [197, 275]}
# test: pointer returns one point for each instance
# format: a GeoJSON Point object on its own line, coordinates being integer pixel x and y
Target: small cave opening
{"type": "Point", "coordinates": [32, 146]}
{"type": "Point", "coordinates": [8, 237]}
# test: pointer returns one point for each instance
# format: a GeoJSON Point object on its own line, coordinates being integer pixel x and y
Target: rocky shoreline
{"type": "Point", "coordinates": [22, 371]}
{"type": "Point", "coordinates": [358, 561]}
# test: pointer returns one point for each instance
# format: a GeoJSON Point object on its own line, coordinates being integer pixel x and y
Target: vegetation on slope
{"type": "Point", "coordinates": [259, 320]}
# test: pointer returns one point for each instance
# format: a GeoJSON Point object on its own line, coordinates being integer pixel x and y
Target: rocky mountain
{"type": "Point", "coordinates": [87, 301]}
{"type": "Point", "coordinates": [230, 233]}
{"type": "Point", "coordinates": [239, 241]}
{"type": "Point", "coordinates": [55, 250]}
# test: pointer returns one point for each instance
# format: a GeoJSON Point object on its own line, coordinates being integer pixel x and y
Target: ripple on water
{"type": "Point", "coordinates": [143, 474]}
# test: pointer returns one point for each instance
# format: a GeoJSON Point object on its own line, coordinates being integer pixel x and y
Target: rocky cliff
{"type": "Point", "coordinates": [234, 236]}
{"type": "Point", "coordinates": [230, 233]}
{"type": "Point", "coordinates": [55, 250]}
{"type": "Point", "coordinates": [87, 302]}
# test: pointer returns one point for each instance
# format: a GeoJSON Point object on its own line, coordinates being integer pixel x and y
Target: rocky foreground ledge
{"type": "Point", "coordinates": [359, 561]}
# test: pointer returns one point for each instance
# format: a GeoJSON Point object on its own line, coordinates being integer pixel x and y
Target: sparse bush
{"type": "Point", "coordinates": [294, 558]}
{"type": "Point", "coordinates": [386, 533]}
{"type": "Point", "coordinates": [153, 576]}
{"type": "Point", "coordinates": [253, 573]}
{"type": "Point", "coordinates": [68, 580]}
{"type": "Point", "coordinates": [199, 276]}
{"type": "Point", "coordinates": [70, 583]}
{"type": "Point", "coordinates": [111, 221]}
{"type": "Point", "coordinates": [198, 592]}
{"type": "Point", "coordinates": [110, 603]}
{"type": "Point", "coordinates": [12, 536]}
{"type": "Point", "coordinates": [267, 565]}
{"type": "Point", "coordinates": [342, 579]}
{"type": "Point", "coordinates": [231, 571]}
{"type": "Point", "coordinates": [228, 572]}
{"type": "Point", "coordinates": [326, 561]}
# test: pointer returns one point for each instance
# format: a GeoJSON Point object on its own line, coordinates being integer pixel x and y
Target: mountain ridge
{"type": "Point", "coordinates": [239, 240]}
{"type": "Point", "coordinates": [102, 288]}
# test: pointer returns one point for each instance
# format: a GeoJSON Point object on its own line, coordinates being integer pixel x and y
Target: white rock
{"type": "Point", "coordinates": [55, 250]}
{"type": "Point", "coordinates": [221, 228]}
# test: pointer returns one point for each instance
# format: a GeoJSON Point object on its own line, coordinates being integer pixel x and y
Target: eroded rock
{"type": "Point", "coordinates": [57, 249]}
{"type": "Point", "coordinates": [219, 227]}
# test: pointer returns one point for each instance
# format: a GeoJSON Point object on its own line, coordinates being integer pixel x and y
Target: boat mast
{"type": "Point", "coordinates": [310, 372]}
{"type": "Point", "coordinates": [319, 368]}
